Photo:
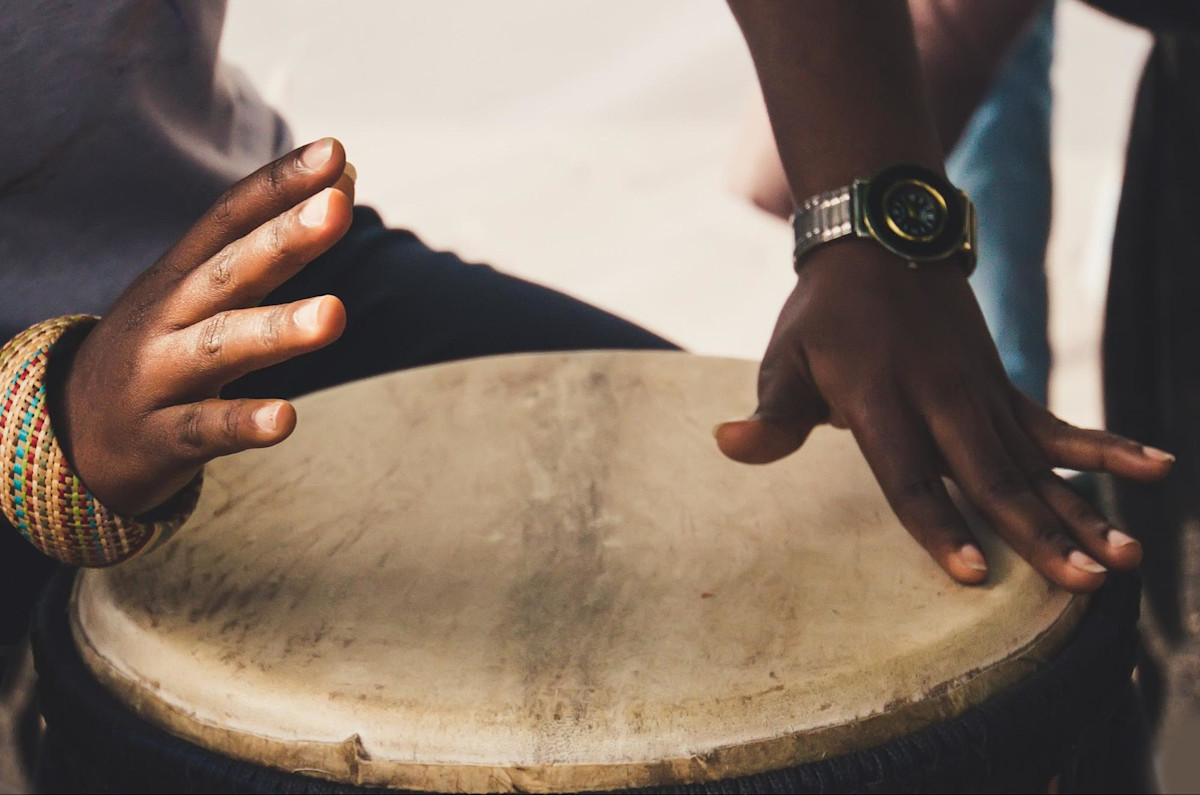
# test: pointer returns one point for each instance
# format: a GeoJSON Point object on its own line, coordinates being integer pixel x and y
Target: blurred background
{"type": "Point", "coordinates": [588, 145]}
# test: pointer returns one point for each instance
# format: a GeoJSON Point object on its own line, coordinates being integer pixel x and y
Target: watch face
{"type": "Point", "coordinates": [914, 210]}
{"type": "Point", "coordinates": [914, 213]}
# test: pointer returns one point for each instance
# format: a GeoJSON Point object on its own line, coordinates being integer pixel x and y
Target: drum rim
{"type": "Point", "coordinates": [786, 751]}
{"type": "Point", "coordinates": [1106, 635]}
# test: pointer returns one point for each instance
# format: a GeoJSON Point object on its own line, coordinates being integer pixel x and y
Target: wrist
{"type": "Point", "coordinates": [40, 493]}
{"type": "Point", "coordinates": [908, 210]}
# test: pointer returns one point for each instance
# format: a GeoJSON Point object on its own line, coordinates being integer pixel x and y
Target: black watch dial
{"type": "Point", "coordinates": [915, 213]}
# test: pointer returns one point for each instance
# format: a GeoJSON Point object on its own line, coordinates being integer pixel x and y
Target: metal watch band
{"type": "Point", "coordinates": [820, 219]}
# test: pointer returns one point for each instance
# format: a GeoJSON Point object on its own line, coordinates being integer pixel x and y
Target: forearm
{"type": "Point", "coordinates": [842, 83]}
{"type": "Point", "coordinates": [963, 44]}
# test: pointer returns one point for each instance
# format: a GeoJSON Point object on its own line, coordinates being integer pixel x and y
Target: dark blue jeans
{"type": "Point", "coordinates": [407, 306]}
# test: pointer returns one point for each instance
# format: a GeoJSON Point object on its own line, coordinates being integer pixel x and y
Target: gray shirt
{"type": "Point", "coordinates": [118, 127]}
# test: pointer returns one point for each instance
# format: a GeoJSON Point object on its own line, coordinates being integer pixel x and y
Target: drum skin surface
{"type": "Point", "coordinates": [537, 573]}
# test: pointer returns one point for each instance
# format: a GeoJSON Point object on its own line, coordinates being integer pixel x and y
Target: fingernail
{"type": "Point", "coordinates": [351, 171]}
{"type": "Point", "coordinates": [264, 418]}
{"type": "Point", "coordinates": [1084, 563]}
{"type": "Point", "coordinates": [317, 154]}
{"type": "Point", "coordinates": [1116, 538]}
{"type": "Point", "coordinates": [1157, 455]}
{"type": "Point", "coordinates": [970, 555]}
{"type": "Point", "coordinates": [314, 210]}
{"type": "Point", "coordinates": [308, 315]}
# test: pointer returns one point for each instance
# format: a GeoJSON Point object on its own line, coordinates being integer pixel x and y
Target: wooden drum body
{"type": "Point", "coordinates": [537, 573]}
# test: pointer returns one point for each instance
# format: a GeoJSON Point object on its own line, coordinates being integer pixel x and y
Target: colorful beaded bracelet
{"type": "Point", "coordinates": [40, 495]}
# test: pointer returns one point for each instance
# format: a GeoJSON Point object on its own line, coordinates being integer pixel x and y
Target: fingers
{"type": "Point", "coordinates": [226, 346]}
{"type": "Point", "coordinates": [995, 483]}
{"type": "Point", "coordinates": [788, 409]}
{"type": "Point", "coordinates": [273, 189]}
{"type": "Point", "coordinates": [906, 464]}
{"type": "Point", "coordinates": [347, 181]}
{"type": "Point", "coordinates": [244, 272]}
{"type": "Point", "coordinates": [1089, 450]}
{"type": "Point", "coordinates": [1094, 533]}
{"type": "Point", "coordinates": [199, 432]}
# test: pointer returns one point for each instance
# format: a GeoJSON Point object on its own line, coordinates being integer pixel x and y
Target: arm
{"type": "Point", "coordinates": [961, 47]}
{"type": "Point", "coordinates": [898, 355]}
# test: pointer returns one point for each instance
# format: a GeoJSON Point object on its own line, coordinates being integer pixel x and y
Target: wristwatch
{"type": "Point", "coordinates": [909, 210]}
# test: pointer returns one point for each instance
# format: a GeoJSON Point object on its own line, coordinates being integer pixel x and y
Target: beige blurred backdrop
{"type": "Point", "coordinates": [586, 144]}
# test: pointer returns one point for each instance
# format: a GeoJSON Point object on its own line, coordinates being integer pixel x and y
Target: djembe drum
{"type": "Point", "coordinates": [537, 573]}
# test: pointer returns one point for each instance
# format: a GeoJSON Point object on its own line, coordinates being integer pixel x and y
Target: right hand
{"type": "Point", "coordinates": [138, 412]}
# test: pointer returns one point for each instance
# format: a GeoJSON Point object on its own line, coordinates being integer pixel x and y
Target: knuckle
{"type": "Point", "coordinates": [191, 430]}
{"type": "Point", "coordinates": [1050, 535]}
{"type": "Point", "coordinates": [1005, 484]}
{"type": "Point", "coordinates": [1044, 477]}
{"type": "Point", "coordinates": [220, 274]}
{"type": "Point", "coordinates": [1082, 515]}
{"type": "Point", "coordinates": [916, 493]}
{"type": "Point", "coordinates": [1112, 441]}
{"type": "Point", "coordinates": [231, 421]}
{"type": "Point", "coordinates": [274, 243]}
{"type": "Point", "coordinates": [1060, 430]}
{"type": "Point", "coordinates": [954, 390]}
{"type": "Point", "coordinates": [213, 336]}
{"type": "Point", "coordinates": [139, 313]}
{"type": "Point", "coordinates": [277, 177]}
{"type": "Point", "coordinates": [270, 328]}
{"type": "Point", "coordinates": [222, 209]}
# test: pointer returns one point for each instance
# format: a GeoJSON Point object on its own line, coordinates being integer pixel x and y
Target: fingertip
{"type": "Point", "coordinates": [332, 315]}
{"type": "Point", "coordinates": [1159, 456]}
{"type": "Point", "coordinates": [1122, 551]}
{"type": "Point", "coordinates": [1155, 472]}
{"type": "Point", "coordinates": [757, 441]}
{"type": "Point", "coordinates": [323, 155]}
{"type": "Point", "coordinates": [341, 209]}
{"type": "Point", "coordinates": [285, 420]}
{"type": "Point", "coordinates": [1141, 463]}
{"type": "Point", "coordinates": [272, 422]}
{"type": "Point", "coordinates": [321, 318]}
{"type": "Point", "coordinates": [1077, 572]}
{"type": "Point", "coordinates": [345, 186]}
{"type": "Point", "coordinates": [965, 565]}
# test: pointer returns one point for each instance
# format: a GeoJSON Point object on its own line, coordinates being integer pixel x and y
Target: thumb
{"type": "Point", "coordinates": [757, 440]}
{"type": "Point", "coordinates": [788, 409]}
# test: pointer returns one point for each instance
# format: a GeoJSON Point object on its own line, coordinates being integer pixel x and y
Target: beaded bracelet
{"type": "Point", "coordinates": [39, 494]}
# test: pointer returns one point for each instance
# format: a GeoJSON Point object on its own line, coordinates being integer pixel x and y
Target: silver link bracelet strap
{"type": "Point", "coordinates": [820, 219]}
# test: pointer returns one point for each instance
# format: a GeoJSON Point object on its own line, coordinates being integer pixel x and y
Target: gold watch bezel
{"type": "Point", "coordinates": [937, 195]}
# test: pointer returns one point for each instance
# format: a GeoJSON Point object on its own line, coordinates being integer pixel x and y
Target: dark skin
{"type": "Point", "coordinates": [962, 45]}
{"type": "Point", "coordinates": [139, 412]}
{"type": "Point", "coordinates": [899, 356]}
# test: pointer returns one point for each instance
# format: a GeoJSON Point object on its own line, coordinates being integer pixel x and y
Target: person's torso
{"type": "Point", "coordinates": [118, 129]}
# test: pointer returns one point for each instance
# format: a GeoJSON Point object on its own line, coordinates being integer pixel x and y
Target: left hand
{"type": "Point", "coordinates": [902, 358]}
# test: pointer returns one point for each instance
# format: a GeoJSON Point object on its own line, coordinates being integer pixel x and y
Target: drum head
{"type": "Point", "coordinates": [537, 572]}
